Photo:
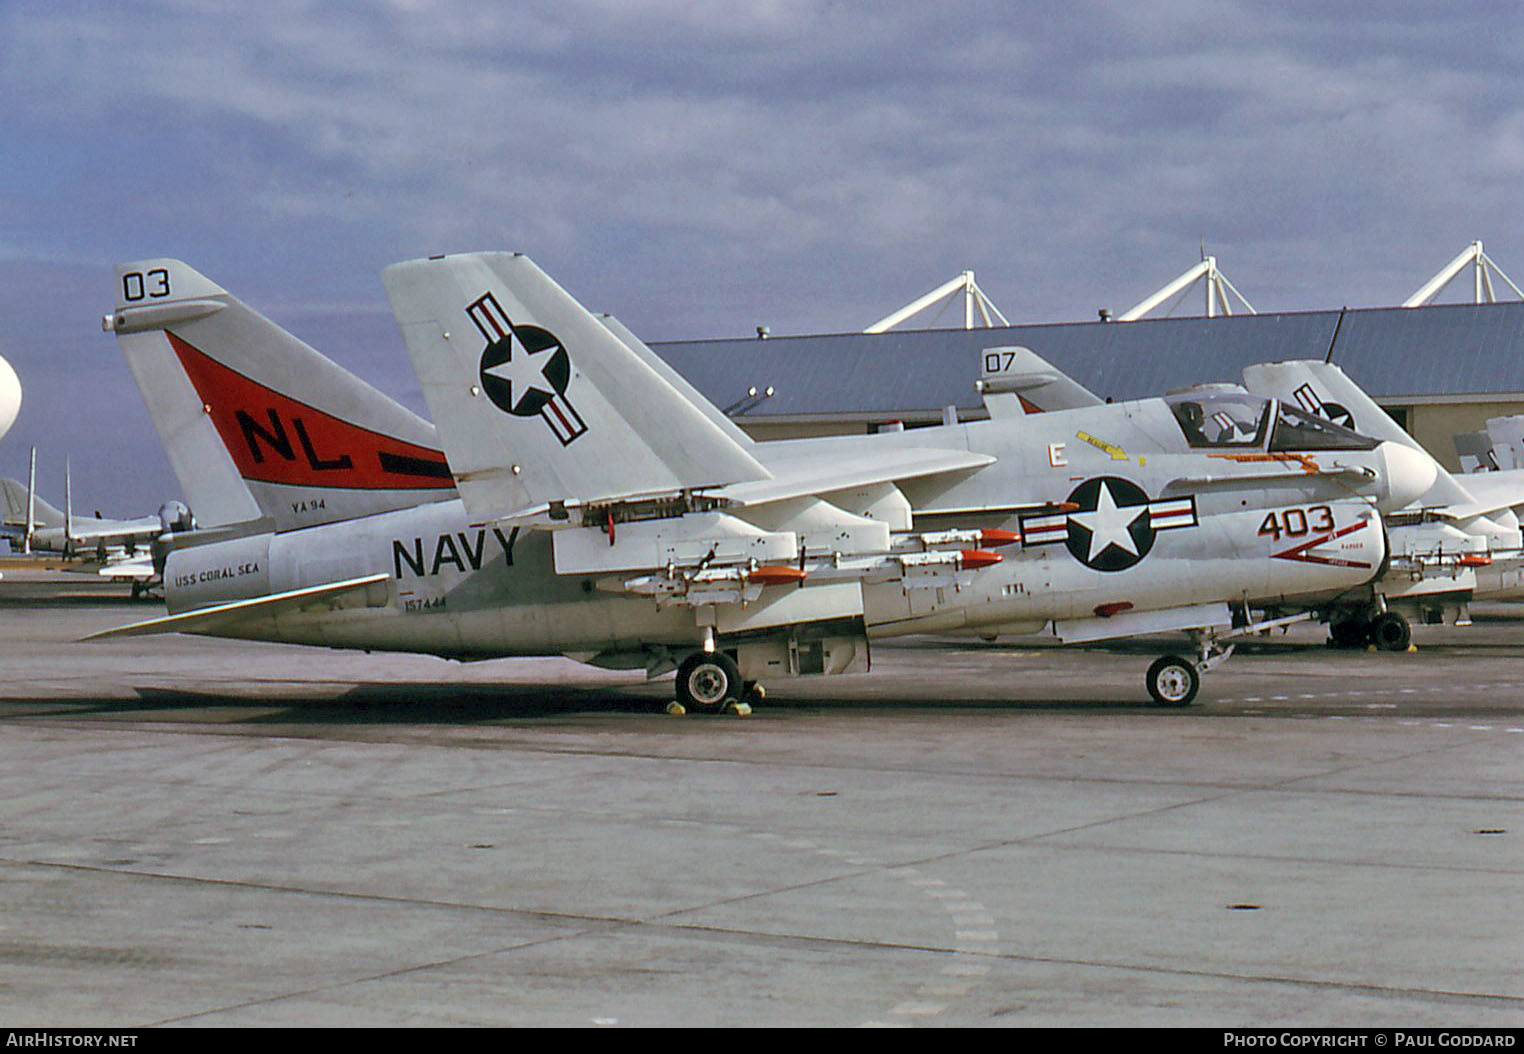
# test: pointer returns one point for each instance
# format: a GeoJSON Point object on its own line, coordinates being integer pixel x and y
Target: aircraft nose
{"type": "Point", "coordinates": [1407, 475]}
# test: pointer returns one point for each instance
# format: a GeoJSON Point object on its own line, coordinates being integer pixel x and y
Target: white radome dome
{"type": "Point", "coordinates": [10, 396]}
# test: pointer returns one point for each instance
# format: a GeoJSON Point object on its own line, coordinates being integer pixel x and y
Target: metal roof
{"type": "Point", "coordinates": [1444, 350]}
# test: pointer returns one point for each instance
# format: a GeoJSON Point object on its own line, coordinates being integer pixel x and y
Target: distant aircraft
{"type": "Point", "coordinates": [589, 502]}
{"type": "Point", "coordinates": [121, 550]}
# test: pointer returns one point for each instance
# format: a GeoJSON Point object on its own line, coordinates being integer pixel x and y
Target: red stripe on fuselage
{"type": "Point", "coordinates": [276, 439]}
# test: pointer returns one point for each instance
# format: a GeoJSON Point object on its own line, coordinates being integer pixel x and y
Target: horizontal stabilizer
{"type": "Point", "coordinates": [1491, 492]}
{"type": "Point", "coordinates": [210, 619]}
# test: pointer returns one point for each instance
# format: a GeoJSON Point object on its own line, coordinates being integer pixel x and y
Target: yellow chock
{"type": "Point", "coordinates": [676, 709]}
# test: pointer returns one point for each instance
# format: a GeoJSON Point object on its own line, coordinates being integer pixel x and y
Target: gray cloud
{"type": "Point", "coordinates": [700, 168]}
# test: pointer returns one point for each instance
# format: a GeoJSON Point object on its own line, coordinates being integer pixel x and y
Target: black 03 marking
{"type": "Point", "coordinates": [461, 551]}
{"type": "Point", "coordinates": [145, 285]}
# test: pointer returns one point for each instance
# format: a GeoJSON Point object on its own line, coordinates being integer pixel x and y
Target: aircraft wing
{"type": "Point", "coordinates": [89, 532]}
{"type": "Point", "coordinates": [802, 477]}
{"type": "Point", "coordinates": [139, 570]}
{"type": "Point", "coordinates": [116, 567]}
{"type": "Point", "coordinates": [207, 620]}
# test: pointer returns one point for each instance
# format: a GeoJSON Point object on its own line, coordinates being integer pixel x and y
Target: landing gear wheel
{"type": "Point", "coordinates": [1173, 681]}
{"type": "Point", "coordinates": [1351, 633]}
{"type": "Point", "coordinates": [1391, 632]}
{"type": "Point", "coordinates": [708, 681]}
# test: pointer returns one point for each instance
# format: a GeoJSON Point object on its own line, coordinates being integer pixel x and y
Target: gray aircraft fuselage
{"type": "Point", "coordinates": [1135, 520]}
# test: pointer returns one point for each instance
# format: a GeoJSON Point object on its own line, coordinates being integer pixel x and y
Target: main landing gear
{"type": "Point", "coordinates": [1386, 632]}
{"type": "Point", "coordinates": [710, 682]}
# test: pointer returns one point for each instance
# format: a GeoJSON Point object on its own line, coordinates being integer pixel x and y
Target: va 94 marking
{"type": "Point", "coordinates": [459, 550]}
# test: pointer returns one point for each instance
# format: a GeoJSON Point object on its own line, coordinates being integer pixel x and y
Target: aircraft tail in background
{"type": "Point", "coordinates": [1324, 389]}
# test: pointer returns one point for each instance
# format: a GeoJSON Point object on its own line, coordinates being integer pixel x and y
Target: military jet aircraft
{"type": "Point", "coordinates": [593, 504]}
{"type": "Point", "coordinates": [1459, 538]}
{"type": "Point", "coordinates": [113, 548]}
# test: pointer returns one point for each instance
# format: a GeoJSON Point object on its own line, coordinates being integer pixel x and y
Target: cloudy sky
{"type": "Point", "coordinates": [698, 168]}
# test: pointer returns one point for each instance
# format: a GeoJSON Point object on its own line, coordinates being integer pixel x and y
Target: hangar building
{"type": "Point", "coordinates": [1440, 370]}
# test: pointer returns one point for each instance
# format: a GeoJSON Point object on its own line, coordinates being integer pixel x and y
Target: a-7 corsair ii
{"type": "Point", "coordinates": [589, 502]}
{"type": "Point", "coordinates": [1459, 538]}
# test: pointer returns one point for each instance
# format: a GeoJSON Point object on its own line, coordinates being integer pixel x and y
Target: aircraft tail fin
{"type": "Point", "coordinates": [1505, 436]}
{"type": "Point", "coordinates": [15, 494]}
{"type": "Point", "coordinates": [257, 424]}
{"type": "Point", "coordinates": [540, 406]}
{"type": "Point", "coordinates": [677, 380]}
{"type": "Point", "coordinates": [1324, 389]}
{"type": "Point", "coordinates": [1016, 381]}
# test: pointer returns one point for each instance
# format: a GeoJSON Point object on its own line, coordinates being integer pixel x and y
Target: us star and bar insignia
{"type": "Point", "coordinates": [525, 370]}
{"type": "Point", "coordinates": [1114, 526]}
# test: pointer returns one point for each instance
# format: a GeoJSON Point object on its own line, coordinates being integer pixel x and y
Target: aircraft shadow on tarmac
{"type": "Point", "coordinates": [483, 704]}
{"type": "Point", "coordinates": [413, 703]}
{"type": "Point", "coordinates": [383, 704]}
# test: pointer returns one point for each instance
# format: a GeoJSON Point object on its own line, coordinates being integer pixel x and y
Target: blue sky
{"type": "Point", "coordinates": [701, 168]}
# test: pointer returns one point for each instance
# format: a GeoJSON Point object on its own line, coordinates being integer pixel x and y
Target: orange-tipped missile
{"type": "Point", "coordinates": [993, 539]}
{"type": "Point", "coordinates": [776, 575]}
{"type": "Point", "coordinates": [974, 559]}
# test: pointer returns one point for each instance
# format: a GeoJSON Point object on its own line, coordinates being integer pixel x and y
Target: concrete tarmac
{"type": "Point", "coordinates": [205, 832]}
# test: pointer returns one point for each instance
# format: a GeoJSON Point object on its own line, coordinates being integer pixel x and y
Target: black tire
{"type": "Point", "coordinates": [708, 682]}
{"type": "Point", "coordinates": [1173, 681]}
{"type": "Point", "coordinates": [1391, 632]}
{"type": "Point", "coordinates": [1350, 633]}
